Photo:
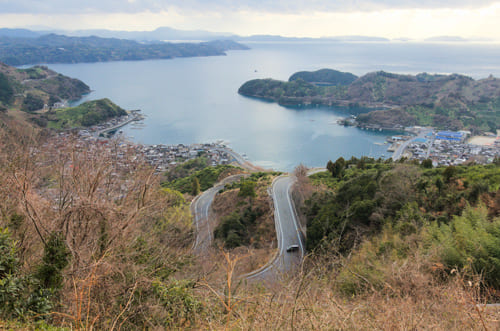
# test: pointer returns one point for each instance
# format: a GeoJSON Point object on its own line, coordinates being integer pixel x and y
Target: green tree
{"type": "Point", "coordinates": [471, 242]}
{"type": "Point", "coordinates": [361, 164]}
{"type": "Point", "coordinates": [20, 295]}
{"type": "Point", "coordinates": [195, 186]}
{"type": "Point", "coordinates": [6, 90]}
{"type": "Point", "coordinates": [449, 173]}
{"type": "Point", "coordinates": [330, 166]}
{"type": "Point", "coordinates": [427, 163]}
{"type": "Point", "coordinates": [8, 259]}
{"type": "Point", "coordinates": [55, 259]}
{"type": "Point", "coordinates": [32, 103]}
{"type": "Point", "coordinates": [179, 302]}
{"type": "Point", "coordinates": [247, 189]}
{"type": "Point", "coordinates": [337, 168]}
{"type": "Point", "coordinates": [439, 185]}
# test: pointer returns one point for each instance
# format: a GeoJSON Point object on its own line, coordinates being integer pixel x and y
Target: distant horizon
{"type": "Point", "coordinates": [215, 34]}
{"type": "Point", "coordinates": [407, 19]}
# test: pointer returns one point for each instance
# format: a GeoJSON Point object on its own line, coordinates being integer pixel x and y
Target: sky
{"type": "Point", "coordinates": [415, 19]}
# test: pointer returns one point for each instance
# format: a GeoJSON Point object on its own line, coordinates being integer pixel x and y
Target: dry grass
{"type": "Point", "coordinates": [124, 234]}
{"type": "Point", "coordinates": [107, 204]}
{"type": "Point", "coordinates": [310, 302]}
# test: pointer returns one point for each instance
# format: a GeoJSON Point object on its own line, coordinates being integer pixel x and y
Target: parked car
{"type": "Point", "coordinates": [292, 248]}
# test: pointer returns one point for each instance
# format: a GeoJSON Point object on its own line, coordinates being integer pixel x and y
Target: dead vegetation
{"type": "Point", "coordinates": [131, 267]}
{"type": "Point", "coordinates": [107, 205]}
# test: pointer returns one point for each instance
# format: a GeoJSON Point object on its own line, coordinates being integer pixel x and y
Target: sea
{"type": "Point", "coordinates": [196, 100]}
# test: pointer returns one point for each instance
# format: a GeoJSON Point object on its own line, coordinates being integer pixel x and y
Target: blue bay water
{"type": "Point", "coordinates": [195, 100]}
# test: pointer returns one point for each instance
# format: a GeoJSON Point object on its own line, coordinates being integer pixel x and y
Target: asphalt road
{"type": "Point", "coordinates": [400, 150]}
{"type": "Point", "coordinates": [201, 208]}
{"type": "Point", "coordinates": [287, 231]}
{"type": "Point", "coordinates": [240, 160]}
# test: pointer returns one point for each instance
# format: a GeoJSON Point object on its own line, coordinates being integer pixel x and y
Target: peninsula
{"type": "Point", "coordinates": [53, 48]}
{"type": "Point", "coordinates": [40, 96]}
{"type": "Point", "coordinates": [452, 102]}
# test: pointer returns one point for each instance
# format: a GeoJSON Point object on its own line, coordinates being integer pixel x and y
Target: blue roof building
{"type": "Point", "coordinates": [450, 135]}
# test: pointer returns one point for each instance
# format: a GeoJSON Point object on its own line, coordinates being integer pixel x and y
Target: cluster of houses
{"type": "Point", "coordinates": [162, 157]}
{"type": "Point", "coordinates": [165, 156]}
{"type": "Point", "coordinates": [450, 148]}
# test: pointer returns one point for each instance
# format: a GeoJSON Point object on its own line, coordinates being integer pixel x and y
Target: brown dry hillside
{"type": "Point", "coordinates": [422, 89]}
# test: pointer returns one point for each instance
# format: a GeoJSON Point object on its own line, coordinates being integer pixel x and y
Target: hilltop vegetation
{"type": "Point", "coordinates": [36, 93]}
{"type": "Point", "coordinates": [181, 177]}
{"type": "Point", "coordinates": [381, 213]}
{"type": "Point", "coordinates": [444, 101]}
{"type": "Point", "coordinates": [324, 77]}
{"type": "Point", "coordinates": [244, 214]}
{"type": "Point", "coordinates": [29, 89]}
{"type": "Point", "coordinates": [54, 48]}
{"type": "Point", "coordinates": [87, 114]}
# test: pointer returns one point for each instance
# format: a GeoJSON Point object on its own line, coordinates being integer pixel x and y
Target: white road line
{"type": "Point", "coordinates": [293, 217]}
{"type": "Point", "coordinates": [196, 221]}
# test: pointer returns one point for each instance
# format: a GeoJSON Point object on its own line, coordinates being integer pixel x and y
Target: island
{"type": "Point", "coordinates": [53, 48]}
{"type": "Point", "coordinates": [452, 101]}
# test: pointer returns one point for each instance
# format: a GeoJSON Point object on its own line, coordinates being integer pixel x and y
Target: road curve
{"type": "Point", "coordinates": [245, 164]}
{"type": "Point", "coordinates": [287, 231]}
{"type": "Point", "coordinates": [398, 153]}
{"type": "Point", "coordinates": [201, 209]}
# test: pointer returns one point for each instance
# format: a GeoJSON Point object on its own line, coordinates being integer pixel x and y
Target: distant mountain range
{"type": "Point", "coordinates": [21, 47]}
{"type": "Point", "coordinates": [171, 34]}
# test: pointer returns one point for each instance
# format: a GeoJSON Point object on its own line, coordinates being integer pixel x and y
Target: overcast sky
{"type": "Point", "coordinates": [416, 19]}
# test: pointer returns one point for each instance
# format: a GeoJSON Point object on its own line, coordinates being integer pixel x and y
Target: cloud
{"type": "Point", "coordinates": [273, 6]}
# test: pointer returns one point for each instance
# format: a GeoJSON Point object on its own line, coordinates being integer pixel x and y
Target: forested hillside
{"type": "Point", "coordinates": [54, 48]}
{"type": "Point", "coordinates": [381, 213]}
{"type": "Point", "coordinates": [444, 101]}
{"type": "Point", "coordinates": [29, 89]}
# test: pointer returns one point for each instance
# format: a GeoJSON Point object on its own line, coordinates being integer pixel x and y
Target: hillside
{"type": "Point", "coordinates": [36, 96]}
{"type": "Point", "coordinates": [29, 89]}
{"type": "Point", "coordinates": [90, 239]}
{"type": "Point", "coordinates": [54, 48]}
{"type": "Point", "coordinates": [87, 114]}
{"type": "Point", "coordinates": [382, 213]}
{"type": "Point", "coordinates": [445, 101]}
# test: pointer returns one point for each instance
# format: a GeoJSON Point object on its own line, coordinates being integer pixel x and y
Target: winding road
{"type": "Point", "coordinates": [202, 211]}
{"type": "Point", "coordinates": [287, 231]}
{"type": "Point", "coordinates": [286, 222]}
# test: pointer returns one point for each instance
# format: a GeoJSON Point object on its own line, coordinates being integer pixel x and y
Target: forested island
{"type": "Point", "coordinates": [54, 48]}
{"type": "Point", "coordinates": [445, 101]}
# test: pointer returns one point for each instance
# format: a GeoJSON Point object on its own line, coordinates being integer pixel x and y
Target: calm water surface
{"type": "Point", "coordinates": [195, 100]}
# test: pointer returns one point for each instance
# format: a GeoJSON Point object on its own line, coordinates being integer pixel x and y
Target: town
{"type": "Point", "coordinates": [445, 147]}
